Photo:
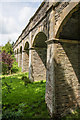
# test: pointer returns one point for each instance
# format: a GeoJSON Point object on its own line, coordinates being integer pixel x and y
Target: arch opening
{"type": "Point", "coordinates": [39, 56]}
{"type": "Point", "coordinates": [21, 49]}
{"type": "Point", "coordinates": [70, 27]}
{"type": "Point", "coordinates": [26, 57]}
{"type": "Point", "coordinates": [67, 63]}
{"type": "Point", "coordinates": [26, 48]}
{"type": "Point", "coordinates": [20, 57]}
{"type": "Point", "coordinates": [71, 31]}
{"type": "Point", "coordinates": [17, 51]}
{"type": "Point", "coordinates": [15, 54]}
{"type": "Point", "coordinates": [39, 40]}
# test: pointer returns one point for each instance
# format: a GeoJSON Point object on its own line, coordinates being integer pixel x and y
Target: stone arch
{"type": "Point", "coordinates": [65, 16]}
{"type": "Point", "coordinates": [36, 33]}
{"type": "Point", "coordinates": [67, 62]}
{"type": "Point", "coordinates": [20, 57]}
{"type": "Point", "coordinates": [21, 49]}
{"type": "Point", "coordinates": [38, 42]}
{"type": "Point", "coordinates": [26, 57]}
{"type": "Point", "coordinates": [39, 56]}
{"type": "Point", "coordinates": [17, 51]}
{"type": "Point", "coordinates": [26, 48]}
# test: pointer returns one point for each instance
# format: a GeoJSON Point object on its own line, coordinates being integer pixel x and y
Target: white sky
{"type": "Point", "coordinates": [14, 16]}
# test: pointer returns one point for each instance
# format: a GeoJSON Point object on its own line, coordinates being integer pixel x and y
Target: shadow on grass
{"type": "Point", "coordinates": [22, 101]}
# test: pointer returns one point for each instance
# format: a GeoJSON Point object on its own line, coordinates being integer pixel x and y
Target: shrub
{"type": "Point", "coordinates": [15, 67]}
{"type": "Point", "coordinates": [26, 80]}
{"type": "Point", "coordinates": [4, 68]}
{"type": "Point", "coordinates": [3, 77]}
{"type": "Point", "coordinates": [7, 62]}
{"type": "Point", "coordinates": [8, 48]}
{"type": "Point", "coordinates": [41, 81]}
{"type": "Point", "coordinates": [10, 115]}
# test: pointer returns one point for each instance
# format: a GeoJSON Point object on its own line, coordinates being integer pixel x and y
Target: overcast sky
{"type": "Point", "coordinates": [14, 16]}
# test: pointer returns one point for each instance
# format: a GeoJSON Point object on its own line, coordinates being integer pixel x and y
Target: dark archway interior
{"type": "Point", "coordinates": [26, 58]}
{"type": "Point", "coordinates": [21, 49]}
{"type": "Point", "coordinates": [40, 40]}
{"type": "Point", "coordinates": [39, 57]}
{"type": "Point", "coordinates": [26, 48]}
{"type": "Point", "coordinates": [68, 63]}
{"type": "Point", "coordinates": [40, 46]}
{"type": "Point", "coordinates": [17, 51]}
{"type": "Point", "coordinates": [71, 30]}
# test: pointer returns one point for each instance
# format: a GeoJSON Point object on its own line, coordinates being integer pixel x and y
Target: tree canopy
{"type": "Point", "coordinates": [8, 48]}
{"type": "Point", "coordinates": [7, 58]}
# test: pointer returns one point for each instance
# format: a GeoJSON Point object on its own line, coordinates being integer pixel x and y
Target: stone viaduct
{"type": "Point", "coordinates": [49, 48]}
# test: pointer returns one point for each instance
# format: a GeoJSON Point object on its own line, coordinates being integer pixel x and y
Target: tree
{"type": "Point", "coordinates": [0, 63]}
{"type": "Point", "coordinates": [7, 62]}
{"type": "Point", "coordinates": [12, 43]}
{"type": "Point", "coordinates": [8, 48]}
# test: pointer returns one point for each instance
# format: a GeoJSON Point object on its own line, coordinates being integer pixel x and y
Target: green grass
{"type": "Point", "coordinates": [23, 102]}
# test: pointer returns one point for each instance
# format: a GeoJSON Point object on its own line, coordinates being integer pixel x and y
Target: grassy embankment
{"type": "Point", "coordinates": [23, 102]}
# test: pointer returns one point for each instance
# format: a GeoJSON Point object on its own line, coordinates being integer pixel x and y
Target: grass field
{"type": "Point", "coordinates": [23, 102]}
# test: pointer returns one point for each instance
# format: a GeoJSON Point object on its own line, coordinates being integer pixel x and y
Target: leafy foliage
{"type": "Point", "coordinates": [11, 114]}
{"type": "Point", "coordinates": [7, 58]}
{"type": "Point", "coordinates": [8, 48]}
{"type": "Point", "coordinates": [0, 60]}
{"type": "Point", "coordinates": [6, 62]}
{"type": "Point", "coordinates": [23, 101]}
{"type": "Point", "coordinates": [0, 48]}
{"type": "Point", "coordinates": [4, 68]}
{"type": "Point", "coordinates": [12, 43]}
{"type": "Point", "coordinates": [26, 102]}
{"type": "Point", "coordinates": [9, 64]}
{"type": "Point", "coordinates": [74, 116]}
{"type": "Point", "coordinates": [26, 80]}
{"type": "Point", "coordinates": [15, 67]}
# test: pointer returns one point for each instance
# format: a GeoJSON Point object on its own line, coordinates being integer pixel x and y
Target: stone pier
{"type": "Point", "coordinates": [52, 39]}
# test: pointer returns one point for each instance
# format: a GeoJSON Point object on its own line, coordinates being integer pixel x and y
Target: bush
{"type": "Point", "coordinates": [10, 115]}
{"type": "Point", "coordinates": [15, 67]}
{"type": "Point", "coordinates": [7, 62]}
{"type": "Point", "coordinates": [4, 68]}
{"type": "Point", "coordinates": [26, 80]}
{"type": "Point", "coordinates": [41, 81]}
{"type": "Point", "coordinates": [3, 77]}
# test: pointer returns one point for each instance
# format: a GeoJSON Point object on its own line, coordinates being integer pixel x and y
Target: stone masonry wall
{"type": "Point", "coordinates": [63, 59]}
{"type": "Point", "coordinates": [50, 80]}
{"type": "Point", "coordinates": [39, 64]}
{"type": "Point", "coordinates": [16, 57]}
{"type": "Point", "coordinates": [67, 77]}
{"type": "Point", "coordinates": [63, 78]}
{"type": "Point", "coordinates": [19, 60]}
{"type": "Point", "coordinates": [25, 58]}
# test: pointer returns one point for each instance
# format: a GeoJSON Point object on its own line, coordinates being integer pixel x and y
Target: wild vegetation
{"type": "Point", "coordinates": [9, 64]}
{"type": "Point", "coordinates": [23, 101]}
